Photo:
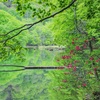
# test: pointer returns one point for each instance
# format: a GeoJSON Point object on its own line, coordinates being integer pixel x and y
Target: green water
{"type": "Point", "coordinates": [28, 84]}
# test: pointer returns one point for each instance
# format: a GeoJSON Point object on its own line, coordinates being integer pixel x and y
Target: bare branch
{"type": "Point", "coordinates": [15, 29]}
{"type": "Point", "coordinates": [31, 25]}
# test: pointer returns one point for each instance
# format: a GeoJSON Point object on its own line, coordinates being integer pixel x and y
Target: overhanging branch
{"type": "Point", "coordinates": [28, 26]}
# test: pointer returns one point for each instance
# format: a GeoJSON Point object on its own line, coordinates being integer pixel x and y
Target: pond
{"type": "Point", "coordinates": [27, 84]}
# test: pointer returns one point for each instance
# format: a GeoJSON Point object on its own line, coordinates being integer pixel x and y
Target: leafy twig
{"type": "Point", "coordinates": [31, 25]}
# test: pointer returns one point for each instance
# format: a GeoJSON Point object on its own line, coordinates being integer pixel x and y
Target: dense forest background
{"type": "Point", "coordinates": [72, 24]}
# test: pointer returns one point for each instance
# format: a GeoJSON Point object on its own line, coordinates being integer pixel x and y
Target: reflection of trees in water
{"type": "Point", "coordinates": [37, 58]}
{"type": "Point", "coordinates": [7, 93]}
{"type": "Point", "coordinates": [31, 86]}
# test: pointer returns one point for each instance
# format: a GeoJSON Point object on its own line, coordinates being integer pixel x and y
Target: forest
{"type": "Point", "coordinates": [49, 49]}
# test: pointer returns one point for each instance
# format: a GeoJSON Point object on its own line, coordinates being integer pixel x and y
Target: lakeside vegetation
{"type": "Point", "coordinates": [71, 24]}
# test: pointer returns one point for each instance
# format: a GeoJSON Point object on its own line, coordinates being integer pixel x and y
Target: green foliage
{"type": "Point", "coordinates": [9, 22]}
{"type": "Point", "coordinates": [39, 8]}
{"type": "Point", "coordinates": [77, 29]}
{"type": "Point", "coordinates": [40, 36]}
{"type": "Point", "coordinates": [10, 11]}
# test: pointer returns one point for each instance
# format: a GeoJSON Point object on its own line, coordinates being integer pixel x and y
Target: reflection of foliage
{"type": "Point", "coordinates": [28, 87]}
{"type": "Point", "coordinates": [27, 84]}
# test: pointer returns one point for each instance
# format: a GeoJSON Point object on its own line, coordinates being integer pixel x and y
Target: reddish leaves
{"type": "Point", "coordinates": [84, 84]}
{"type": "Point", "coordinates": [78, 48]}
{"type": "Point", "coordinates": [86, 41]}
{"type": "Point", "coordinates": [97, 60]}
{"type": "Point", "coordinates": [69, 66]}
{"type": "Point", "coordinates": [64, 81]}
{"type": "Point", "coordinates": [73, 42]}
{"type": "Point", "coordinates": [76, 61]}
{"type": "Point", "coordinates": [95, 69]}
{"type": "Point", "coordinates": [91, 58]}
{"type": "Point", "coordinates": [74, 68]}
{"type": "Point", "coordinates": [84, 46]}
{"type": "Point", "coordinates": [66, 57]}
{"type": "Point", "coordinates": [72, 52]}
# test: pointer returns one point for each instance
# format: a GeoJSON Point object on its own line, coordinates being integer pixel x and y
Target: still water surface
{"type": "Point", "coordinates": [28, 84]}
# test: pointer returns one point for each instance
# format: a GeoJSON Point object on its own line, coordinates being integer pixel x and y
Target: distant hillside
{"type": "Point", "coordinates": [10, 10]}
{"type": "Point", "coordinates": [8, 23]}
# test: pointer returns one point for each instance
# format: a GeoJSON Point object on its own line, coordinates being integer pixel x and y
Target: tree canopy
{"type": "Point", "coordinates": [74, 24]}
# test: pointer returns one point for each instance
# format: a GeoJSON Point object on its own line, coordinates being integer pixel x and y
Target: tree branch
{"type": "Point", "coordinates": [31, 25]}
{"type": "Point", "coordinates": [22, 68]}
{"type": "Point", "coordinates": [15, 29]}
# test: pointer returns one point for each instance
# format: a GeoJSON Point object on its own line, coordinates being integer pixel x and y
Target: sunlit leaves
{"type": "Point", "coordinates": [9, 22]}
{"type": "Point", "coordinates": [81, 58]}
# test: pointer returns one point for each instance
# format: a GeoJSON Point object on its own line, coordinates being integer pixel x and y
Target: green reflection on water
{"type": "Point", "coordinates": [29, 84]}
